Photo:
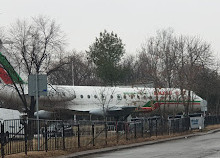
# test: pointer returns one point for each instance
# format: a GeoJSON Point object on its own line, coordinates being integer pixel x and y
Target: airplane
{"type": "Point", "coordinates": [116, 101]}
{"type": "Point", "coordinates": [103, 101]}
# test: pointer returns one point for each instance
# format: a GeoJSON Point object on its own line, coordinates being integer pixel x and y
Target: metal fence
{"type": "Point", "coordinates": [21, 135]}
{"type": "Point", "coordinates": [212, 120]}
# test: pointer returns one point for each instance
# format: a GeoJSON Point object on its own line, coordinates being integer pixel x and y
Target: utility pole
{"type": "Point", "coordinates": [37, 86]}
{"type": "Point", "coordinates": [37, 109]}
{"type": "Point", "coordinates": [72, 72]}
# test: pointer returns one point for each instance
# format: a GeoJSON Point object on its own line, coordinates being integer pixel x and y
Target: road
{"type": "Point", "coordinates": [205, 146]}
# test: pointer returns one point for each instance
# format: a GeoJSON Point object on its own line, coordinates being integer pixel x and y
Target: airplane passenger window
{"type": "Point", "coordinates": [124, 96]}
{"type": "Point", "coordinates": [95, 96]}
{"type": "Point", "coordinates": [81, 96]}
{"type": "Point", "coordinates": [138, 96]}
{"type": "Point", "coordinates": [88, 96]}
{"type": "Point", "coordinates": [132, 96]}
{"type": "Point", "coordinates": [103, 96]}
{"type": "Point", "coordinates": [119, 97]}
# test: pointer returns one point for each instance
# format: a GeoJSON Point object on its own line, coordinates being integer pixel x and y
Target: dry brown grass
{"type": "Point", "coordinates": [39, 154]}
{"type": "Point", "coordinates": [112, 141]}
{"type": "Point", "coordinates": [211, 127]}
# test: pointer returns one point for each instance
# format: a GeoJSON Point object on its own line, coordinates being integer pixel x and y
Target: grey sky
{"type": "Point", "coordinates": [132, 20]}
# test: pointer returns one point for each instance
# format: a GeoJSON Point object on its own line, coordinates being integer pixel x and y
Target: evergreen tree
{"type": "Point", "coordinates": [106, 53]}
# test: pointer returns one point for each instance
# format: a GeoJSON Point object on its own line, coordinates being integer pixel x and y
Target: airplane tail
{"type": "Point", "coordinates": [150, 105]}
{"type": "Point", "coordinates": [7, 72]}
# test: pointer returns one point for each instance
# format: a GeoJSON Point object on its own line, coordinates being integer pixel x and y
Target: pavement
{"type": "Point", "coordinates": [120, 147]}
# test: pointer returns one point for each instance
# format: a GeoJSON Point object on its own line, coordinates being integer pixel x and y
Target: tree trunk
{"type": "Point", "coordinates": [31, 128]}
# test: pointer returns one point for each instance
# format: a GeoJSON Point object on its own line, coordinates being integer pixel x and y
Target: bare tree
{"type": "Point", "coordinates": [105, 98]}
{"type": "Point", "coordinates": [207, 85]}
{"type": "Point", "coordinates": [156, 62]}
{"type": "Point", "coordinates": [173, 61]}
{"type": "Point", "coordinates": [2, 36]}
{"type": "Point", "coordinates": [192, 56]}
{"type": "Point", "coordinates": [128, 73]}
{"type": "Point", "coordinates": [74, 68]}
{"type": "Point", "coordinates": [35, 43]}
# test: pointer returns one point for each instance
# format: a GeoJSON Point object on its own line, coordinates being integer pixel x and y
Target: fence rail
{"type": "Point", "coordinates": [21, 135]}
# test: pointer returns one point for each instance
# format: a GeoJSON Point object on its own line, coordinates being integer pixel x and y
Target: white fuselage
{"type": "Point", "coordinates": [87, 98]}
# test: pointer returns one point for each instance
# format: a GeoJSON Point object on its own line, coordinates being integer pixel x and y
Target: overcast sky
{"type": "Point", "coordinates": [132, 20]}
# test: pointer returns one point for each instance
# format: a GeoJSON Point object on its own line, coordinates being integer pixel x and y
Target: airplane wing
{"type": "Point", "coordinates": [115, 111]}
{"type": "Point", "coordinates": [120, 111]}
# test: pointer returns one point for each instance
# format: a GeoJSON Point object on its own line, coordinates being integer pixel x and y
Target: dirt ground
{"type": "Point", "coordinates": [40, 154]}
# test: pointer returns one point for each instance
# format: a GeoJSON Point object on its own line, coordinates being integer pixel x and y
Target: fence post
{"type": "Point", "coordinates": [2, 140]}
{"type": "Point", "coordinates": [46, 140]}
{"type": "Point", "coordinates": [156, 127]}
{"type": "Point", "coordinates": [135, 130]}
{"type": "Point", "coordinates": [150, 127]}
{"type": "Point", "coordinates": [25, 134]}
{"type": "Point", "coordinates": [178, 126]}
{"type": "Point", "coordinates": [63, 136]}
{"type": "Point", "coordinates": [78, 136]}
{"type": "Point", "coordinates": [126, 130]}
{"type": "Point", "coordinates": [188, 123]}
{"type": "Point", "coordinates": [93, 135]}
{"type": "Point", "coordinates": [117, 131]}
{"type": "Point", "coordinates": [142, 128]}
{"type": "Point", "coordinates": [106, 133]}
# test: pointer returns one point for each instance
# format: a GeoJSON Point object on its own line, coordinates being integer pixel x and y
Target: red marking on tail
{"type": "Point", "coordinates": [4, 76]}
